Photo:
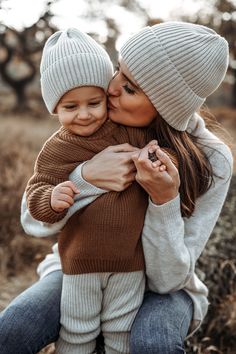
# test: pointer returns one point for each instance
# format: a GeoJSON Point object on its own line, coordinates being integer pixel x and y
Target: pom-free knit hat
{"type": "Point", "coordinates": [72, 59]}
{"type": "Point", "coordinates": [177, 65]}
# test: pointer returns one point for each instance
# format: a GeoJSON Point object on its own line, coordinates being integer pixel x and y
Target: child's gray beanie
{"type": "Point", "coordinates": [177, 65]}
{"type": "Point", "coordinates": [72, 59]}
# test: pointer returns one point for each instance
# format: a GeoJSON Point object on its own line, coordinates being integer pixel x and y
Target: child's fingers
{"type": "Point", "coordinates": [68, 186]}
{"type": "Point", "coordinates": [60, 206]}
{"type": "Point", "coordinates": [75, 189]}
{"type": "Point", "coordinates": [65, 198]}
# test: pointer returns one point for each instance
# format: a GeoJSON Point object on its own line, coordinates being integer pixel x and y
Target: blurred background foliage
{"type": "Point", "coordinates": [24, 126]}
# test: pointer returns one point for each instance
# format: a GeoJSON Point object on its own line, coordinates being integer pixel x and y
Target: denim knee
{"type": "Point", "coordinates": [31, 321]}
{"type": "Point", "coordinates": [166, 343]}
{"type": "Point", "coordinates": [161, 324]}
{"type": "Point", "coordinates": [14, 326]}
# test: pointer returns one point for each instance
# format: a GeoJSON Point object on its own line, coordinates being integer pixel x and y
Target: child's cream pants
{"type": "Point", "coordinates": [96, 302]}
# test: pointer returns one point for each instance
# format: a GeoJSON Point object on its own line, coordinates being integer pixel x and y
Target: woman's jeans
{"type": "Point", "coordinates": [31, 321]}
{"type": "Point", "coordinates": [162, 324]}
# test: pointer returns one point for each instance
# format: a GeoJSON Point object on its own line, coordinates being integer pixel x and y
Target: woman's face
{"type": "Point", "coordinates": [127, 103]}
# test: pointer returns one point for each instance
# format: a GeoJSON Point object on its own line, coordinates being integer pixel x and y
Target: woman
{"type": "Point", "coordinates": [176, 66]}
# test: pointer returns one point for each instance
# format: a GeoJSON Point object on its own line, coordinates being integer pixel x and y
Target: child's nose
{"type": "Point", "coordinates": [83, 113]}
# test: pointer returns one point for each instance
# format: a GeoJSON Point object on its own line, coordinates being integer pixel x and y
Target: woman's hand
{"type": "Point", "coordinates": [160, 179]}
{"type": "Point", "coordinates": [111, 169]}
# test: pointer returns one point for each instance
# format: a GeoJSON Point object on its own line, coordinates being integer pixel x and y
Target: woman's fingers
{"type": "Point", "coordinates": [145, 158]}
{"type": "Point", "coordinates": [160, 179]}
{"type": "Point", "coordinates": [122, 148]}
{"type": "Point", "coordinates": [166, 161]}
{"type": "Point", "coordinates": [152, 143]}
{"type": "Point", "coordinates": [111, 169]}
{"type": "Point", "coordinates": [141, 157]}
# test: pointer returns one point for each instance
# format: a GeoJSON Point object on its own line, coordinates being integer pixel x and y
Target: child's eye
{"type": "Point", "coordinates": [94, 104]}
{"type": "Point", "coordinates": [69, 107]}
{"type": "Point", "coordinates": [129, 90]}
{"type": "Point", "coordinates": [117, 68]}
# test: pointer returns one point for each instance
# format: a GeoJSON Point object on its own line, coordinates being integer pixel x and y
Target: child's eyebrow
{"type": "Point", "coordinates": [72, 100]}
{"type": "Point", "coordinates": [96, 98]}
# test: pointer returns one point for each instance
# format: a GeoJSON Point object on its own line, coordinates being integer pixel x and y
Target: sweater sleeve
{"type": "Point", "coordinates": [172, 244]}
{"type": "Point", "coordinates": [48, 172]}
{"type": "Point", "coordinates": [88, 193]}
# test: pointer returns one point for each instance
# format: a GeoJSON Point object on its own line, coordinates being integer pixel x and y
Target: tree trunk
{"type": "Point", "coordinates": [21, 104]}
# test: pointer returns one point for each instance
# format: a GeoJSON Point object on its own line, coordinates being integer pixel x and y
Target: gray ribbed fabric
{"type": "Point", "coordinates": [71, 59]}
{"type": "Point", "coordinates": [91, 303]}
{"type": "Point", "coordinates": [177, 65]}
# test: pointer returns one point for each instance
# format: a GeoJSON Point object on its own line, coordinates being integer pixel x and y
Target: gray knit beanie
{"type": "Point", "coordinates": [72, 59]}
{"type": "Point", "coordinates": [177, 65]}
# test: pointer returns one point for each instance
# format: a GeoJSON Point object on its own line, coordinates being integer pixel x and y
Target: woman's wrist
{"type": "Point", "coordinates": [87, 172]}
{"type": "Point", "coordinates": [157, 200]}
{"type": "Point", "coordinates": [166, 203]}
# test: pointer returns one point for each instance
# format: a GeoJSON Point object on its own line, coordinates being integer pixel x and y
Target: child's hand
{"type": "Point", "coordinates": [62, 196]}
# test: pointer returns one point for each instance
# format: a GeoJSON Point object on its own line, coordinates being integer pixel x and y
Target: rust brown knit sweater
{"type": "Point", "coordinates": [104, 236]}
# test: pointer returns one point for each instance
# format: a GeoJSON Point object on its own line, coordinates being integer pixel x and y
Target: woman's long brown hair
{"type": "Point", "coordinates": [195, 170]}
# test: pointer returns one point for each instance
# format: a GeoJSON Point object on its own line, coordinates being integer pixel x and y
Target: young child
{"type": "Point", "coordinates": [100, 247]}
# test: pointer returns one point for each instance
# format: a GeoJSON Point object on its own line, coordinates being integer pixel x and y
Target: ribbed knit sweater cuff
{"type": "Point", "coordinates": [44, 212]}
{"type": "Point", "coordinates": [167, 212]}
{"type": "Point", "coordinates": [85, 187]}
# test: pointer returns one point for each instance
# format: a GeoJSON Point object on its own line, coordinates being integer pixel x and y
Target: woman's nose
{"type": "Point", "coordinates": [114, 86]}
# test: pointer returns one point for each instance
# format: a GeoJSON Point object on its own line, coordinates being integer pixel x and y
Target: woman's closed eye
{"type": "Point", "coordinates": [128, 89]}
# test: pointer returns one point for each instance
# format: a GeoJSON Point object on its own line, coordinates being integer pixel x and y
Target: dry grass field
{"type": "Point", "coordinates": [21, 138]}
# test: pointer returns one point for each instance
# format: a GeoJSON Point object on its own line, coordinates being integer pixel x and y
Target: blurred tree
{"type": "Point", "coordinates": [222, 18]}
{"type": "Point", "coordinates": [19, 54]}
{"type": "Point", "coordinates": [97, 10]}
{"type": "Point", "coordinates": [20, 51]}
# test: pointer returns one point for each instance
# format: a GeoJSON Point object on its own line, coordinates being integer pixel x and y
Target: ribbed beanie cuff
{"type": "Point", "coordinates": [177, 65]}
{"type": "Point", "coordinates": [72, 59]}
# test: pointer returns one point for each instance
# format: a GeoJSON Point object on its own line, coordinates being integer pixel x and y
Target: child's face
{"type": "Point", "coordinates": [83, 110]}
